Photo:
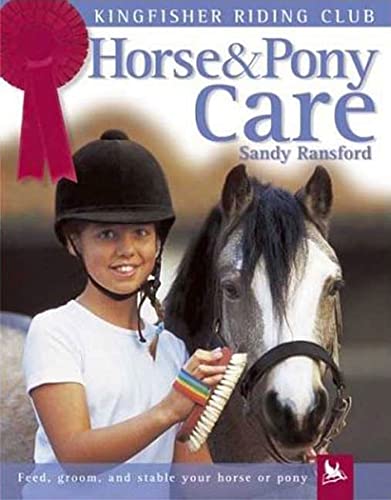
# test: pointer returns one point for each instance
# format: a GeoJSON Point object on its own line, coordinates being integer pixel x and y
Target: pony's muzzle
{"type": "Point", "coordinates": [290, 428]}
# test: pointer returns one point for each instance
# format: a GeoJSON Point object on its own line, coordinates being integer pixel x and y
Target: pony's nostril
{"type": "Point", "coordinates": [272, 405]}
{"type": "Point", "coordinates": [318, 409]}
{"type": "Point", "coordinates": [279, 416]}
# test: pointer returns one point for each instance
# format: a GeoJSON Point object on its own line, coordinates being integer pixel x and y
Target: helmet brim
{"type": "Point", "coordinates": [120, 216]}
{"type": "Point", "coordinates": [117, 217]}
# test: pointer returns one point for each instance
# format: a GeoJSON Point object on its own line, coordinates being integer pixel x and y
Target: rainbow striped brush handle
{"type": "Point", "coordinates": [192, 387]}
{"type": "Point", "coordinates": [210, 403]}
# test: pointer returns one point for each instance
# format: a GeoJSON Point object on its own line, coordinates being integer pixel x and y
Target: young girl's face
{"type": "Point", "coordinates": [119, 256]}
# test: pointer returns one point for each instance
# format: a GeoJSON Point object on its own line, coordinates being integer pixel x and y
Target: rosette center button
{"type": "Point", "coordinates": [38, 42]}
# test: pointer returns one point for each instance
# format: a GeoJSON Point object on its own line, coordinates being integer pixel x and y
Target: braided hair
{"type": "Point", "coordinates": [149, 290]}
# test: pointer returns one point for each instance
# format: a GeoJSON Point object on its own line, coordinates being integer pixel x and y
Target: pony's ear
{"type": "Point", "coordinates": [317, 197]}
{"type": "Point", "coordinates": [237, 192]}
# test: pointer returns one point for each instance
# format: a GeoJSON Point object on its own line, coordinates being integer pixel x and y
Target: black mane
{"type": "Point", "coordinates": [273, 226]}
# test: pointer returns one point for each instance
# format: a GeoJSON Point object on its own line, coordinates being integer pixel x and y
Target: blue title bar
{"type": "Point", "coordinates": [238, 13]}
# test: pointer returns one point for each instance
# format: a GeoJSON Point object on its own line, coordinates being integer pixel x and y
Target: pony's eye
{"type": "Point", "coordinates": [336, 286]}
{"type": "Point", "coordinates": [231, 290]}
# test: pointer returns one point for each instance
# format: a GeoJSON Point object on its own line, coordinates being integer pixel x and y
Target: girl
{"type": "Point", "coordinates": [99, 377]}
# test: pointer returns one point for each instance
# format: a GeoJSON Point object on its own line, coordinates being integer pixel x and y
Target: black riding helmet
{"type": "Point", "coordinates": [118, 181]}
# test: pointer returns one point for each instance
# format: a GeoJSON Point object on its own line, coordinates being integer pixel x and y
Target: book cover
{"type": "Point", "coordinates": [279, 87]}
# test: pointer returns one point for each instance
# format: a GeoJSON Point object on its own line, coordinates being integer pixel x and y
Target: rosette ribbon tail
{"type": "Point", "coordinates": [31, 151]}
{"type": "Point", "coordinates": [43, 135]}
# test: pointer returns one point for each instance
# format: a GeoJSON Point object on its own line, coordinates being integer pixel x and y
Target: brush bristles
{"type": "Point", "coordinates": [217, 401]}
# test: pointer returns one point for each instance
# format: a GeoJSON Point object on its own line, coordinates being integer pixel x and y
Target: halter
{"type": "Point", "coordinates": [342, 404]}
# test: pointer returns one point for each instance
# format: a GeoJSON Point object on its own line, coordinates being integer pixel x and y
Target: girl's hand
{"type": "Point", "coordinates": [202, 366]}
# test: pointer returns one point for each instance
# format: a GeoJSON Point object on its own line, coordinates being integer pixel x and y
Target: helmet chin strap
{"type": "Point", "coordinates": [112, 295]}
{"type": "Point", "coordinates": [118, 297]}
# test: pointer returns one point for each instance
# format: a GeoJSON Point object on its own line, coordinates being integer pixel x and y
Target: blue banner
{"type": "Point", "coordinates": [238, 13]}
{"type": "Point", "coordinates": [178, 481]}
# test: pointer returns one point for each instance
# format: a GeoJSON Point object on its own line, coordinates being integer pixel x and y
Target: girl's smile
{"type": "Point", "coordinates": [119, 256]}
{"type": "Point", "coordinates": [124, 270]}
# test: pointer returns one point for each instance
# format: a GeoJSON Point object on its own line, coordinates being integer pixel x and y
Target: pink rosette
{"type": "Point", "coordinates": [43, 45]}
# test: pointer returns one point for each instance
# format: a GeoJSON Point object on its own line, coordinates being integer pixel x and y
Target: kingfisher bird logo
{"type": "Point", "coordinates": [332, 474]}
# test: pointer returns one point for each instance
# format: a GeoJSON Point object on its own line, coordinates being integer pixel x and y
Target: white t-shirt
{"type": "Point", "coordinates": [121, 379]}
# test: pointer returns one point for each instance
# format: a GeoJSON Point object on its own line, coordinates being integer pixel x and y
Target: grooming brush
{"type": "Point", "coordinates": [201, 421]}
